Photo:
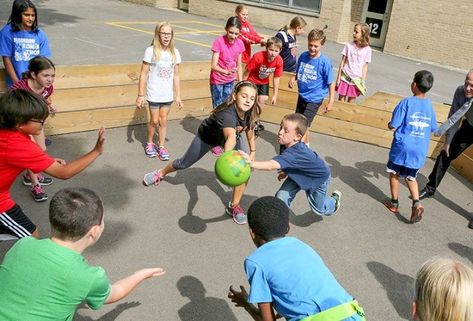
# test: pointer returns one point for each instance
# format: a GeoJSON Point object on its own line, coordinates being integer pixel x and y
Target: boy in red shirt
{"type": "Point", "coordinates": [261, 66]}
{"type": "Point", "coordinates": [22, 114]}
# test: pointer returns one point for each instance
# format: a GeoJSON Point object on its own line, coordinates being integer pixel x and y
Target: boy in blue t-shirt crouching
{"type": "Point", "coordinates": [287, 275]}
{"type": "Point", "coordinates": [304, 169]}
{"type": "Point", "coordinates": [413, 121]}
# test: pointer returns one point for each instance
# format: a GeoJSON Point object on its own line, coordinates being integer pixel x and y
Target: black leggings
{"type": "Point", "coordinates": [197, 150]}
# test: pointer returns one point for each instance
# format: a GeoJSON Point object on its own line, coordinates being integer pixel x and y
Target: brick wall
{"type": "Point", "coordinates": [437, 31]}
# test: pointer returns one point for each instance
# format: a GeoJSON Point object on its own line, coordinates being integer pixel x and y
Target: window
{"type": "Point", "coordinates": [311, 5]}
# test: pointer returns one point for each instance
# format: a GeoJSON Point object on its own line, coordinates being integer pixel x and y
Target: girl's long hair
{"type": "Point", "coordinates": [365, 35]}
{"type": "Point", "coordinates": [157, 45]}
{"type": "Point", "coordinates": [255, 111]}
{"type": "Point", "coordinates": [18, 7]}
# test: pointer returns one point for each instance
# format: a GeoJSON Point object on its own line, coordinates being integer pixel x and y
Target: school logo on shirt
{"type": "Point", "coordinates": [25, 48]}
{"type": "Point", "coordinates": [307, 72]}
{"type": "Point", "coordinates": [264, 71]}
{"type": "Point", "coordinates": [419, 121]}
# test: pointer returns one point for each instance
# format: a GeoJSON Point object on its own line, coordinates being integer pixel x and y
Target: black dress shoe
{"type": "Point", "coordinates": [471, 224]}
{"type": "Point", "coordinates": [425, 193]}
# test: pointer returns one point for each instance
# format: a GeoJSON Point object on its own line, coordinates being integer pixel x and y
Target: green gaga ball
{"type": "Point", "coordinates": [232, 169]}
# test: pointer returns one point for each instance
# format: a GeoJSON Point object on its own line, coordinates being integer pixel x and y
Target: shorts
{"type": "Point", "coordinates": [15, 222]}
{"type": "Point", "coordinates": [153, 105]}
{"type": "Point", "coordinates": [402, 171]}
{"type": "Point", "coordinates": [309, 110]}
{"type": "Point", "coordinates": [263, 89]}
{"type": "Point", "coordinates": [345, 89]}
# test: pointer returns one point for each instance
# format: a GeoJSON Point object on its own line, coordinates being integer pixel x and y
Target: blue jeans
{"type": "Point", "coordinates": [220, 93]}
{"type": "Point", "coordinates": [319, 202]}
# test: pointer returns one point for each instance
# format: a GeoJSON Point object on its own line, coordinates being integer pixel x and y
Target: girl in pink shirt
{"type": "Point", "coordinates": [356, 56]}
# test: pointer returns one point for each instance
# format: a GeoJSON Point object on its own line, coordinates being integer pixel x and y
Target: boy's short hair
{"type": "Point", "coordinates": [268, 217]}
{"type": "Point", "coordinates": [317, 34]}
{"type": "Point", "coordinates": [300, 121]}
{"type": "Point", "coordinates": [19, 106]}
{"type": "Point", "coordinates": [73, 212]}
{"type": "Point", "coordinates": [274, 41]}
{"type": "Point", "coordinates": [424, 80]}
{"type": "Point", "coordinates": [444, 289]}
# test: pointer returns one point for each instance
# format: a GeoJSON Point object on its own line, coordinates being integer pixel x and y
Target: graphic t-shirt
{"type": "Point", "coordinates": [17, 153]}
{"type": "Point", "coordinates": [159, 87]}
{"type": "Point", "coordinates": [44, 281]}
{"type": "Point", "coordinates": [22, 46]}
{"type": "Point", "coordinates": [260, 68]}
{"type": "Point", "coordinates": [314, 76]}
{"type": "Point", "coordinates": [414, 121]}
{"type": "Point", "coordinates": [227, 59]}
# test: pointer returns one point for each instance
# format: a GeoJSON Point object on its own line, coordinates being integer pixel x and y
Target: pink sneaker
{"type": "Point", "coordinates": [152, 178]}
{"type": "Point", "coordinates": [217, 150]}
{"type": "Point", "coordinates": [163, 153]}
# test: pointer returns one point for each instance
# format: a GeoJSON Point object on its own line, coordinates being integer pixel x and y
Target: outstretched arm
{"type": "Point", "coordinates": [123, 287]}
{"type": "Point", "coordinates": [262, 312]}
{"type": "Point", "coordinates": [65, 171]}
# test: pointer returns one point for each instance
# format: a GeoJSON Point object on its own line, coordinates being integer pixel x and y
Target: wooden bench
{"type": "Point", "coordinates": [90, 96]}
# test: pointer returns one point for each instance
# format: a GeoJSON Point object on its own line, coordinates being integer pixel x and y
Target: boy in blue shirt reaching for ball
{"type": "Point", "coordinates": [413, 121]}
{"type": "Point", "coordinates": [287, 275]}
{"type": "Point", "coordinates": [302, 168]}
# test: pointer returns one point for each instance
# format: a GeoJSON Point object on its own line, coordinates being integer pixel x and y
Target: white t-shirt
{"type": "Point", "coordinates": [159, 87]}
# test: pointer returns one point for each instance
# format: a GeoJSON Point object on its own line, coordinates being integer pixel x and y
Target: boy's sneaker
{"type": "Point", "coordinates": [337, 195]}
{"type": "Point", "coordinates": [417, 211]}
{"type": "Point", "coordinates": [393, 207]}
{"type": "Point", "coordinates": [152, 178]}
{"type": "Point", "coordinates": [217, 150]}
{"type": "Point", "coordinates": [163, 153]}
{"type": "Point", "coordinates": [150, 150]}
{"type": "Point", "coordinates": [38, 193]}
{"type": "Point", "coordinates": [236, 212]}
{"type": "Point", "coordinates": [42, 180]}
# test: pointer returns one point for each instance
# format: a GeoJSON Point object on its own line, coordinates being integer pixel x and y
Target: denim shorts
{"type": "Point", "coordinates": [402, 171]}
{"type": "Point", "coordinates": [153, 105]}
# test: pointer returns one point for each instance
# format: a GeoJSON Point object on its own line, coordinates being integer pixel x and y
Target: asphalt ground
{"type": "Point", "coordinates": [180, 225]}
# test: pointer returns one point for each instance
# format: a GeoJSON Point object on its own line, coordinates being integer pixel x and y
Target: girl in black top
{"type": "Point", "coordinates": [222, 128]}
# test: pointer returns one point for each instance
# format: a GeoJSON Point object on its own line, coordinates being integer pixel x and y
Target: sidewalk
{"type": "Point", "coordinates": [180, 224]}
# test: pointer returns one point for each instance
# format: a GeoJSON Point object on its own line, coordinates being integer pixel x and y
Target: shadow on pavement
{"type": "Point", "coordinates": [109, 316]}
{"type": "Point", "coordinates": [201, 307]}
{"type": "Point", "coordinates": [462, 250]}
{"type": "Point", "coordinates": [399, 287]}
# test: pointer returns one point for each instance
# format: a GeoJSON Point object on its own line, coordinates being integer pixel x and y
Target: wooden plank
{"type": "Point", "coordinates": [120, 74]}
{"type": "Point", "coordinates": [75, 99]}
{"type": "Point", "coordinates": [464, 165]}
{"type": "Point", "coordinates": [344, 111]}
{"type": "Point", "coordinates": [344, 129]}
{"type": "Point", "coordinates": [387, 101]}
{"type": "Point", "coordinates": [84, 120]}
{"type": "Point", "coordinates": [469, 152]}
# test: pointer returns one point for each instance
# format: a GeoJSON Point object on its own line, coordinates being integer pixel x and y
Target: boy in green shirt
{"type": "Point", "coordinates": [46, 279]}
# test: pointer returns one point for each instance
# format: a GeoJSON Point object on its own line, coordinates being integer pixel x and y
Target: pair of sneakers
{"type": "Point", "coordinates": [151, 151]}
{"type": "Point", "coordinates": [37, 191]}
{"type": "Point", "coordinates": [416, 211]}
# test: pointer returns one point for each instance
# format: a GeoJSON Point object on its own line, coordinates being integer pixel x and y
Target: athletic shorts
{"type": "Point", "coordinates": [15, 222]}
{"type": "Point", "coordinates": [263, 89]}
{"type": "Point", "coordinates": [309, 110]}
{"type": "Point", "coordinates": [402, 171]}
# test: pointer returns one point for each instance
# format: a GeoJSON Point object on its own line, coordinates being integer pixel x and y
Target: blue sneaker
{"type": "Point", "coordinates": [163, 153]}
{"type": "Point", "coordinates": [150, 150]}
{"type": "Point", "coordinates": [152, 178]}
{"type": "Point", "coordinates": [237, 213]}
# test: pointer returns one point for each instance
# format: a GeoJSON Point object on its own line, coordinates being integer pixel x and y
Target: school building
{"type": "Point", "coordinates": [435, 31]}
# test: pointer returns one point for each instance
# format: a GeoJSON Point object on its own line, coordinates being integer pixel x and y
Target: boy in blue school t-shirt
{"type": "Point", "coordinates": [286, 274]}
{"type": "Point", "coordinates": [413, 120]}
{"type": "Point", "coordinates": [314, 78]}
{"type": "Point", "coordinates": [302, 168]}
